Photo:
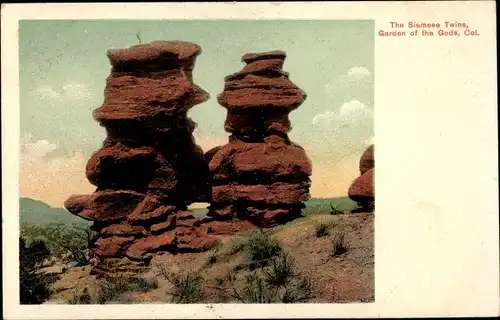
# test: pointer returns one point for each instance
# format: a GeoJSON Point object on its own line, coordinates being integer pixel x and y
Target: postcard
{"type": "Point", "coordinates": [217, 160]}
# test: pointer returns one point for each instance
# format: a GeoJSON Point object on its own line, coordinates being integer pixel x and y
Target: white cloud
{"type": "Point", "coordinates": [66, 91]}
{"type": "Point", "coordinates": [324, 118]}
{"type": "Point", "coordinates": [352, 111]}
{"type": "Point", "coordinates": [47, 92]}
{"type": "Point", "coordinates": [50, 179]}
{"type": "Point", "coordinates": [358, 74]}
{"type": "Point", "coordinates": [341, 132]}
{"type": "Point", "coordinates": [35, 149]}
{"type": "Point", "coordinates": [355, 76]}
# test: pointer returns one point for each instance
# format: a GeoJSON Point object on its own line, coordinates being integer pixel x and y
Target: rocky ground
{"type": "Point", "coordinates": [341, 274]}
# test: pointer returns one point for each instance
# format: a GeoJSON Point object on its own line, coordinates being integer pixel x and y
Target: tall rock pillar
{"type": "Point", "coordinates": [260, 175]}
{"type": "Point", "coordinates": [149, 167]}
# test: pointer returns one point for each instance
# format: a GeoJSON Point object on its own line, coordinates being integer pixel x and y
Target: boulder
{"type": "Point", "coordinates": [108, 205]}
{"type": "Point", "coordinates": [112, 246]}
{"type": "Point", "coordinates": [124, 229]}
{"type": "Point", "coordinates": [361, 190]}
{"type": "Point", "coordinates": [367, 160]}
{"type": "Point", "coordinates": [140, 249]}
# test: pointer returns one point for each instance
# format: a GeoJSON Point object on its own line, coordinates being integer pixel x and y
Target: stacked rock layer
{"type": "Point", "coordinates": [149, 167]}
{"type": "Point", "coordinates": [260, 176]}
{"type": "Point", "coordinates": [361, 190]}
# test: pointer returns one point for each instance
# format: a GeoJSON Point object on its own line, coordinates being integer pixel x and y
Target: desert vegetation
{"type": "Point", "coordinates": [292, 263]}
{"type": "Point", "coordinates": [42, 246]}
{"type": "Point", "coordinates": [112, 289]}
{"type": "Point", "coordinates": [34, 285]}
{"type": "Point", "coordinates": [66, 242]}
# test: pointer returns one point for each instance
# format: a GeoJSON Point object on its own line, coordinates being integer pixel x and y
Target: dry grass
{"type": "Point", "coordinates": [111, 289]}
{"type": "Point", "coordinates": [339, 244]}
{"type": "Point", "coordinates": [288, 263]}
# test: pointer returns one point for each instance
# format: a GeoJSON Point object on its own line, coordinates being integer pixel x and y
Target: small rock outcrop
{"type": "Point", "coordinates": [361, 190]}
{"type": "Point", "coordinates": [260, 176]}
{"type": "Point", "coordinates": [149, 167]}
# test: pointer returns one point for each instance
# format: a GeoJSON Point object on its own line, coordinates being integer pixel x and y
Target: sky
{"type": "Point", "coordinates": [63, 69]}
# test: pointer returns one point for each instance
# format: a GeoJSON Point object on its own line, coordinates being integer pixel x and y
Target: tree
{"type": "Point", "coordinates": [33, 286]}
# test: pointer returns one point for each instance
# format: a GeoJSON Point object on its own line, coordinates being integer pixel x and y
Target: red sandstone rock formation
{"type": "Point", "coordinates": [259, 176]}
{"type": "Point", "coordinates": [361, 190]}
{"type": "Point", "coordinates": [367, 160]}
{"type": "Point", "coordinates": [149, 167]}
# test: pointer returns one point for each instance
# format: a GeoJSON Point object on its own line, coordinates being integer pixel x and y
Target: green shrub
{"type": "Point", "coordinates": [260, 247]}
{"type": "Point", "coordinates": [257, 289]}
{"type": "Point", "coordinates": [223, 252]}
{"type": "Point", "coordinates": [111, 288]}
{"type": "Point", "coordinates": [322, 229]}
{"type": "Point", "coordinates": [212, 258]}
{"type": "Point", "coordinates": [34, 287]}
{"type": "Point", "coordinates": [65, 241]}
{"type": "Point", "coordinates": [276, 283]}
{"type": "Point", "coordinates": [299, 291]}
{"type": "Point", "coordinates": [281, 270]}
{"type": "Point", "coordinates": [188, 288]}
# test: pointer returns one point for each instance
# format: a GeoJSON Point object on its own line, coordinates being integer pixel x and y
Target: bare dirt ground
{"type": "Point", "coordinates": [334, 276]}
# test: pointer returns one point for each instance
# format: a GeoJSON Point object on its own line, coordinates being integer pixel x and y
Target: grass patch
{"type": "Point", "coordinates": [281, 270]}
{"type": "Point", "coordinates": [339, 244]}
{"type": "Point", "coordinates": [213, 257]}
{"type": "Point", "coordinates": [322, 229]}
{"type": "Point", "coordinates": [237, 245]}
{"type": "Point", "coordinates": [112, 288]}
{"type": "Point", "coordinates": [300, 291]}
{"type": "Point", "coordinates": [222, 252]}
{"type": "Point", "coordinates": [260, 247]}
{"type": "Point", "coordinates": [276, 283]}
{"type": "Point", "coordinates": [84, 298]}
{"type": "Point", "coordinates": [267, 275]}
{"type": "Point", "coordinates": [188, 288]}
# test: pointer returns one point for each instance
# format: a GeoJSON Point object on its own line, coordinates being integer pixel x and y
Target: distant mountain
{"type": "Point", "coordinates": [37, 212]}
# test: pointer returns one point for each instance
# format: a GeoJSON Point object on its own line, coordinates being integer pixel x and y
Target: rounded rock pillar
{"type": "Point", "coordinates": [260, 176]}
